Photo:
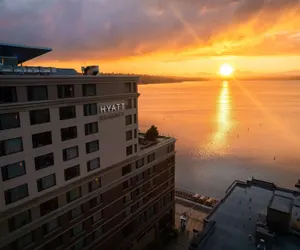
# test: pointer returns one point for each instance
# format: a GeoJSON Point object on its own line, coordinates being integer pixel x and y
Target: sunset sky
{"type": "Point", "coordinates": [169, 37]}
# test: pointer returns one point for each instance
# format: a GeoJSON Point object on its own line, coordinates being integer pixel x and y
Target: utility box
{"type": "Point", "coordinates": [279, 214]}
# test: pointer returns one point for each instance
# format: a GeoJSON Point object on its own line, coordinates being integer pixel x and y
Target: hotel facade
{"type": "Point", "coordinates": [75, 171]}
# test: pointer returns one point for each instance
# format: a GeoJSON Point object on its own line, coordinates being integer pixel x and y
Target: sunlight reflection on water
{"type": "Point", "coordinates": [222, 134]}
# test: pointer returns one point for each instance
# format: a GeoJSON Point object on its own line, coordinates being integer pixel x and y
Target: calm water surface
{"type": "Point", "coordinates": [227, 130]}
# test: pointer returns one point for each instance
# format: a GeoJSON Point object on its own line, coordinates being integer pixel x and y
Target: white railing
{"type": "Point", "coordinates": [27, 70]}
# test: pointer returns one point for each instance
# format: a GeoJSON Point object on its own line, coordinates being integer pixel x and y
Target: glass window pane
{"type": "Point", "coordinates": [13, 170]}
{"type": "Point", "coordinates": [9, 121]}
{"type": "Point", "coordinates": [93, 164]}
{"type": "Point", "coordinates": [39, 116]}
{"type": "Point", "coordinates": [37, 93]}
{"type": "Point", "coordinates": [11, 146]}
{"type": "Point", "coordinates": [16, 193]}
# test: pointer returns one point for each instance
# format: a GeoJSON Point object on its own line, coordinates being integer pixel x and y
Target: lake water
{"type": "Point", "coordinates": [227, 131]}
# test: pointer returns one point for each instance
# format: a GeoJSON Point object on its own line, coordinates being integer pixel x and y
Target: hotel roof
{"type": "Point", "coordinates": [231, 222]}
{"type": "Point", "coordinates": [22, 52]}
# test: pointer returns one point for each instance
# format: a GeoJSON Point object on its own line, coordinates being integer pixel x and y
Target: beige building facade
{"type": "Point", "coordinates": [74, 173]}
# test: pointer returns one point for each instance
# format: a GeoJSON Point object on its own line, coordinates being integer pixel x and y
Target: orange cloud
{"type": "Point", "coordinates": [174, 30]}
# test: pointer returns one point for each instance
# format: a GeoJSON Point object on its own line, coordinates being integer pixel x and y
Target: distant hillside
{"type": "Point", "coordinates": [148, 79]}
{"type": "Point", "coordinates": [154, 79]}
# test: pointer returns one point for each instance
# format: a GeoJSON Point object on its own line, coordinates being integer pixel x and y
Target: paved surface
{"type": "Point", "coordinates": [237, 216]}
{"type": "Point", "coordinates": [195, 218]}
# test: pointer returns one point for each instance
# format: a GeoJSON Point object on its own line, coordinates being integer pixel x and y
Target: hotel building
{"type": "Point", "coordinates": [75, 171]}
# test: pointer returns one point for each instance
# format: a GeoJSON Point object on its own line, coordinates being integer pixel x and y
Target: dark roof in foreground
{"type": "Point", "coordinates": [22, 52]}
{"type": "Point", "coordinates": [230, 223]}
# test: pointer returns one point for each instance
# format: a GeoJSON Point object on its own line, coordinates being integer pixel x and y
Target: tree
{"type": "Point", "coordinates": [152, 133]}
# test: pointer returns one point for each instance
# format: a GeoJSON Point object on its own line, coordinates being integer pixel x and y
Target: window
{"type": "Point", "coordinates": [151, 157]}
{"type": "Point", "coordinates": [77, 229]}
{"type": "Point", "coordinates": [127, 198]}
{"type": "Point", "coordinates": [95, 201]}
{"type": "Point", "coordinates": [170, 148]}
{"type": "Point", "coordinates": [72, 172]}
{"type": "Point", "coordinates": [139, 177]}
{"type": "Point", "coordinates": [135, 148]}
{"type": "Point", "coordinates": [126, 184]}
{"type": "Point", "coordinates": [128, 135]}
{"type": "Point", "coordinates": [37, 93]}
{"type": "Point", "coordinates": [126, 169]}
{"type": "Point", "coordinates": [49, 206]}
{"type": "Point", "coordinates": [54, 244]}
{"type": "Point", "coordinates": [13, 170]}
{"type": "Point", "coordinates": [134, 103]}
{"type": "Point", "coordinates": [135, 133]}
{"type": "Point", "coordinates": [79, 245]}
{"type": "Point", "coordinates": [91, 128]}
{"type": "Point", "coordinates": [44, 161]}
{"type": "Point", "coordinates": [76, 212]}
{"type": "Point", "coordinates": [139, 163]}
{"type": "Point", "coordinates": [127, 87]}
{"type": "Point", "coordinates": [8, 94]}
{"type": "Point", "coordinates": [41, 139]}
{"type": "Point", "coordinates": [74, 194]}
{"type": "Point", "coordinates": [19, 220]}
{"type": "Point", "coordinates": [11, 146]}
{"type": "Point", "coordinates": [23, 241]}
{"type": "Point", "coordinates": [134, 86]}
{"type": "Point", "coordinates": [89, 89]}
{"type": "Point", "coordinates": [70, 153]}
{"type": "Point", "coordinates": [152, 182]}
{"type": "Point", "coordinates": [93, 164]}
{"type": "Point", "coordinates": [9, 121]}
{"type": "Point", "coordinates": [65, 91]}
{"type": "Point", "coordinates": [139, 190]}
{"type": "Point", "coordinates": [15, 194]}
{"type": "Point", "coordinates": [127, 211]}
{"type": "Point", "coordinates": [128, 120]}
{"type": "Point", "coordinates": [128, 104]}
{"type": "Point", "coordinates": [134, 118]}
{"type": "Point", "coordinates": [92, 146]}
{"type": "Point", "coordinates": [68, 112]}
{"type": "Point", "coordinates": [46, 182]}
{"type": "Point", "coordinates": [68, 133]}
{"type": "Point", "coordinates": [94, 184]}
{"type": "Point", "coordinates": [151, 170]}
{"type": "Point", "coordinates": [98, 232]}
{"type": "Point", "coordinates": [129, 150]}
{"type": "Point", "coordinates": [51, 226]}
{"type": "Point", "coordinates": [90, 109]}
{"type": "Point", "coordinates": [97, 216]}
{"type": "Point", "coordinates": [39, 116]}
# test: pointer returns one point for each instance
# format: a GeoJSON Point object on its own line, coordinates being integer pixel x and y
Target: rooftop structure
{"type": "Point", "coordinates": [12, 56]}
{"type": "Point", "coordinates": [253, 215]}
{"type": "Point", "coordinates": [21, 53]}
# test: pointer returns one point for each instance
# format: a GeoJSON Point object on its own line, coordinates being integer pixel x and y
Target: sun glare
{"type": "Point", "coordinates": [226, 69]}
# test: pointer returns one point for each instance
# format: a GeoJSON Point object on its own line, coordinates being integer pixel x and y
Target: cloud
{"type": "Point", "coordinates": [112, 29]}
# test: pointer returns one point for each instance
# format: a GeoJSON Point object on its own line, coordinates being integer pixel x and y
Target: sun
{"type": "Point", "coordinates": [226, 69]}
